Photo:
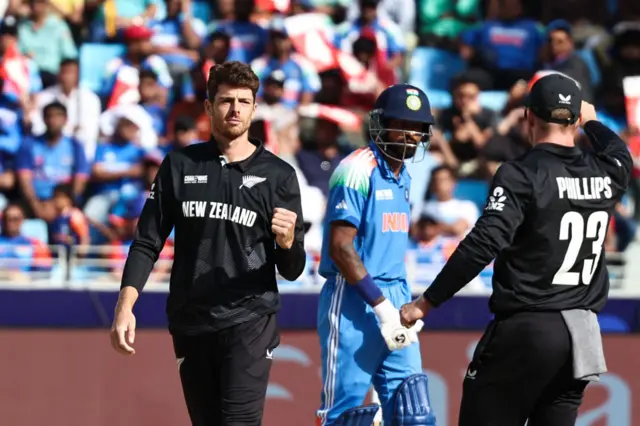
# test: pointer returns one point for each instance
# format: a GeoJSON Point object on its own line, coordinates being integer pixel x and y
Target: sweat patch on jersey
{"type": "Point", "coordinates": [355, 171]}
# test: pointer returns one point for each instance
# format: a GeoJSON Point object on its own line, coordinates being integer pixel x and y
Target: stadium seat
{"type": "Point", "coordinates": [432, 69]}
{"type": "Point", "coordinates": [472, 190]}
{"type": "Point", "coordinates": [36, 228]}
{"type": "Point", "coordinates": [495, 100]}
{"type": "Point", "coordinates": [588, 56]}
{"type": "Point", "coordinates": [93, 61]}
{"type": "Point", "coordinates": [613, 324]}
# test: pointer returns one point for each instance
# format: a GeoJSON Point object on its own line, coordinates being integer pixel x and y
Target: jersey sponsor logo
{"type": "Point", "coordinates": [496, 200]}
{"type": "Point", "coordinates": [221, 211]}
{"type": "Point", "coordinates": [195, 179]}
{"type": "Point", "coordinates": [251, 181]}
{"type": "Point", "coordinates": [384, 194]}
{"type": "Point", "coordinates": [395, 222]}
{"type": "Point", "coordinates": [591, 188]}
{"type": "Point", "coordinates": [152, 193]}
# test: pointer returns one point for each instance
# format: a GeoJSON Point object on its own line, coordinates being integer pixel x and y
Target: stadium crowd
{"type": "Point", "coordinates": [94, 93]}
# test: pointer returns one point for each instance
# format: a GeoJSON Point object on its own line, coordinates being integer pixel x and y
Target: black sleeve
{"type": "Point", "coordinates": [612, 152]}
{"type": "Point", "coordinates": [509, 197]}
{"type": "Point", "coordinates": [291, 262]}
{"type": "Point", "coordinates": [154, 226]}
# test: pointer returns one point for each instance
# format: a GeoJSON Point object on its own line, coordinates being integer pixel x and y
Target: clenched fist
{"type": "Point", "coordinates": [283, 225]}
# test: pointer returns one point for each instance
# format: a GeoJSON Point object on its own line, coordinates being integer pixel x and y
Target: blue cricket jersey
{"type": "Point", "coordinates": [364, 191]}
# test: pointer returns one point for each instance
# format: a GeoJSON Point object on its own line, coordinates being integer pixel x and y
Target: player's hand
{"type": "Point", "coordinates": [283, 225]}
{"type": "Point", "coordinates": [587, 113]}
{"type": "Point", "coordinates": [123, 332]}
{"type": "Point", "coordinates": [410, 313]}
{"type": "Point", "coordinates": [395, 335]}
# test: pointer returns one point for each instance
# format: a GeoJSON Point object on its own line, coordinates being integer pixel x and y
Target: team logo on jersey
{"type": "Point", "coordinates": [251, 181]}
{"type": "Point", "coordinates": [342, 205]}
{"type": "Point", "coordinates": [384, 194]}
{"type": "Point", "coordinates": [496, 200]}
{"type": "Point", "coordinates": [195, 179]}
{"type": "Point", "coordinates": [152, 193]}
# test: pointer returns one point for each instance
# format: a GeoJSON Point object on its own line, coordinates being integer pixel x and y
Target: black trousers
{"type": "Point", "coordinates": [225, 374]}
{"type": "Point", "coordinates": [522, 369]}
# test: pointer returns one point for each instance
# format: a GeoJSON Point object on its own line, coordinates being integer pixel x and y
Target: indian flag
{"type": "Point", "coordinates": [413, 92]}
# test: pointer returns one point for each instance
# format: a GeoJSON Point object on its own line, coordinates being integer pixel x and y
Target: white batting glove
{"type": "Point", "coordinates": [395, 335]}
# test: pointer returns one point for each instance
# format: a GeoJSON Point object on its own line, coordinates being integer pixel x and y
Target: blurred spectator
{"type": "Point", "coordinates": [389, 39]}
{"type": "Point", "coordinates": [217, 48]}
{"type": "Point", "coordinates": [442, 21]}
{"type": "Point", "coordinates": [20, 254]}
{"type": "Point", "coordinates": [456, 216]}
{"type": "Point", "coordinates": [122, 75]}
{"type": "Point", "coordinates": [7, 177]}
{"type": "Point", "coordinates": [507, 48]}
{"type": "Point", "coordinates": [625, 228]}
{"type": "Point", "coordinates": [117, 169]}
{"type": "Point", "coordinates": [11, 122]}
{"type": "Point", "coordinates": [184, 134]}
{"type": "Point", "coordinates": [145, 136]}
{"type": "Point", "coordinates": [70, 226]}
{"type": "Point", "coordinates": [301, 81]}
{"type": "Point", "coordinates": [113, 17]}
{"type": "Point", "coordinates": [363, 98]}
{"type": "Point", "coordinates": [83, 107]}
{"type": "Point", "coordinates": [192, 107]}
{"type": "Point", "coordinates": [151, 100]}
{"type": "Point", "coordinates": [321, 157]}
{"type": "Point", "coordinates": [46, 39]}
{"type": "Point", "coordinates": [560, 56]}
{"type": "Point", "coordinates": [20, 77]}
{"type": "Point", "coordinates": [248, 40]}
{"type": "Point", "coordinates": [49, 160]}
{"type": "Point", "coordinates": [272, 109]}
{"type": "Point", "coordinates": [178, 36]}
{"type": "Point", "coordinates": [72, 11]}
{"type": "Point", "coordinates": [467, 123]}
{"type": "Point", "coordinates": [511, 140]}
{"type": "Point", "coordinates": [401, 12]}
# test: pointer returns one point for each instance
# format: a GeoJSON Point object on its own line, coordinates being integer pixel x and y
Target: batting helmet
{"type": "Point", "coordinates": [400, 102]}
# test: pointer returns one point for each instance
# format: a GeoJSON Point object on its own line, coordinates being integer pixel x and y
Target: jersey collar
{"type": "Point", "coordinates": [384, 167]}
{"type": "Point", "coordinates": [560, 150]}
{"type": "Point", "coordinates": [246, 163]}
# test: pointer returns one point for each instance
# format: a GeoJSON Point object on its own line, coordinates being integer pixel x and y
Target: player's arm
{"type": "Point", "coordinates": [510, 195]}
{"type": "Point", "coordinates": [154, 226]}
{"type": "Point", "coordinates": [608, 146]}
{"type": "Point", "coordinates": [291, 261]}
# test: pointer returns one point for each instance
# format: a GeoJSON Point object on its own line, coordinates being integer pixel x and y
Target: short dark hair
{"type": "Point", "coordinates": [54, 105]}
{"type": "Point", "coordinates": [452, 172]}
{"type": "Point", "coordinates": [148, 74]}
{"type": "Point", "coordinates": [63, 189]}
{"type": "Point", "coordinates": [220, 35]}
{"type": "Point", "coordinates": [69, 61]}
{"type": "Point", "coordinates": [233, 73]}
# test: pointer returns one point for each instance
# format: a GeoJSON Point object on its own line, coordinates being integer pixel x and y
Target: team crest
{"type": "Point", "coordinates": [413, 102]}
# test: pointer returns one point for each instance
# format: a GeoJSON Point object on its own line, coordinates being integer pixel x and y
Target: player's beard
{"type": "Point", "coordinates": [232, 131]}
{"type": "Point", "coordinates": [400, 152]}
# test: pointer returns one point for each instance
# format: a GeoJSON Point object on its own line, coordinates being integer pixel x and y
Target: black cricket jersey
{"type": "Point", "coordinates": [225, 252]}
{"type": "Point", "coordinates": [546, 220]}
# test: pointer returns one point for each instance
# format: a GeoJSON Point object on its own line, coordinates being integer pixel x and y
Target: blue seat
{"type": "Point", "coordinates": [613, 324]}
{"type": "Point", "coordinates": [473, 190]}
{"type": "Point", "coordinates": [202, 11]}
{"type": "Point", "coordinates": [36, 228]}
{"type": "Point", "coordinates": [439, 99]}
{"type": "Point", "coordinates": [590, 59]}
{"type": "Point", "coordinates": [495, 100]}
{"type": "Point", "coordinates": [93, 61]}
{"type": "Point", "coordinates": [433, 68]}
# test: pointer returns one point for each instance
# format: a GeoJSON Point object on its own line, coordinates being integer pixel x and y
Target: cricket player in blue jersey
{"type": "Point", "coordinates": [363, 259]}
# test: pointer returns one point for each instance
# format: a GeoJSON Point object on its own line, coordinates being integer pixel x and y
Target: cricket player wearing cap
{"type": "Point", "coordinates": [545, 222]}
{"type": "Point", "coordinates": [363, 254]}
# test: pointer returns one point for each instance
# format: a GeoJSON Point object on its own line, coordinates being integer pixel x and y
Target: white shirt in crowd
{"type": "Point", "coordinates": [83, 113]}
{"type": "Point", "coordinates": [451, 211]}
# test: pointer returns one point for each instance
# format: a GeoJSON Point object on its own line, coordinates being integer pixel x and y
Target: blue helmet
{"type": "Point", "coordinates": [401, 102]}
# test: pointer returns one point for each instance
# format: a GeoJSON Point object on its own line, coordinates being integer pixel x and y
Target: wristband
{"type": "Point", "coordinates": [368, 290]}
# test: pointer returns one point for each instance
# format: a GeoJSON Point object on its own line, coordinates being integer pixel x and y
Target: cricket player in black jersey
{"type": "Point", "coordinates": [546, 220]}
{"type": "Point", "coordinates": [237, 215]}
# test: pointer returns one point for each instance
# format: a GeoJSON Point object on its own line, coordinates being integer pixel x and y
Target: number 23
{"type": "Point", "coordinates": [573, 223]}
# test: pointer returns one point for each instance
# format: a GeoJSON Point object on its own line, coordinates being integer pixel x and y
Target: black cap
{"type": "Point", "coordinates": [554, 92]}
{"type": "Point", "coordinates": [9, 26]}
{"type": "Point", "coordinates": [276, 77]}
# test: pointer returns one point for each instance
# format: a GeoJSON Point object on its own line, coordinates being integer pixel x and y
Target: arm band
{"type": "Point", "coordinates": [368, 290]}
